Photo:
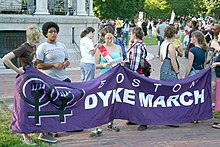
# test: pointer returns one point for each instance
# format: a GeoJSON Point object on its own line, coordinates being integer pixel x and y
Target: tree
{"type": "Point", "coordinates": [159, 8]}
{"type": "Point", "coordinates": [105, 9]}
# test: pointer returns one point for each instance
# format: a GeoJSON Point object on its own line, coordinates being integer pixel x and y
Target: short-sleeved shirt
{"type": "Point", "coordinates": [25, 54]}
{"type": "Point", "coordinates": [53, 53]}
{"type": "Point", "coordinates": [199, 57]}
{"type": "Point", "coordinates": [86, 45]}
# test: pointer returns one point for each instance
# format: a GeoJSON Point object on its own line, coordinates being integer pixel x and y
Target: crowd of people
{"type": "Point", "coordinates": [51, 57]}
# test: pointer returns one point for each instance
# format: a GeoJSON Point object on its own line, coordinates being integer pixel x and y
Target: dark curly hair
{"type": "Point", "coordinates": [46, 26]}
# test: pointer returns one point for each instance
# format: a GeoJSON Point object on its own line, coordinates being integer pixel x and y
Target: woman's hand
{"type": "Point", "coordinates": [215, 64]}
{"type": "Point", "coordinates": [58, 65]}
{"type": "Point", "coordinates": [20, 70]}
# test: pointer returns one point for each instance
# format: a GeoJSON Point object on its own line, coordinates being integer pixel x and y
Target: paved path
{"type": "Point", "coordinates": [187, 135]}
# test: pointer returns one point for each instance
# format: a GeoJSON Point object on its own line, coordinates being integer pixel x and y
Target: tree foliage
{"type": "Point", "coordinates": [105, 9]}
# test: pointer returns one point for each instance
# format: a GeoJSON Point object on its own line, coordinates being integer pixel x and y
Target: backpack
{"type": "Point", "coordinates": [119, 42]}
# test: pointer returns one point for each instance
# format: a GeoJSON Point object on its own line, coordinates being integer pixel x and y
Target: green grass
{"type": "Point", "coordinates": [9, 139]}
{"type": "Point", "coordinates": [150, 41]}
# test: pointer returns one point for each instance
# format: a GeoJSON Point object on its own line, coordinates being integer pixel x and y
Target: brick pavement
{"type": "Point", "coordinates": [187, 135]}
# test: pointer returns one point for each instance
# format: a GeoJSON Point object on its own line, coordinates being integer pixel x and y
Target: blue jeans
{"type": "Point", "coordinates": [125, 36]}
{"type": "Point", "coordinates": [87, 71]}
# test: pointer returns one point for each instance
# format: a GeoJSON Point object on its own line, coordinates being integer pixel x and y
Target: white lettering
{"type": "Point", "coordinates": [159, 101]}
{"type": "Point", "coordinates": [129, 94]}
{"type": "Point", "coordinates": [173, 99]}
{"type": "Point", "coordinates": [156, 88]}
{"type": "Point", "coordinates": [174, 88]}
{"type": "Point", "coordinates": [93, 99]}
{"type": "Point", "coordinates": [105, 97]}
{"type": "Point", "coordinates": [182, 99]}
{"type": "Point", "coordinates": [116, 97]}
{"type": "Point", "coordinates": [118, 79]}
{"type": "Point", "coordinates": [199, 96]}
{"type": "Point", "coordinates": [145, 101]}
{"type": "Point", "coordinates": [136, 83]}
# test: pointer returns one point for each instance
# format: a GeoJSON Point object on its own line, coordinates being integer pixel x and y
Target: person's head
{"type": "Point", "coordinates": [108, 34]}
{"type": "Point", "coordinates": [170, 32]}
{"type": "Point", "coordinates": [33, 34]}
{"type": "Point", "coordinates": [136, 33]}
{"type": "Point", "coordinates": [89, 31]}
{"type": "Point", "coordinates": [194, 24]}
{"type": "Point", "coordinates": [199, 39]}
{"type": "Point", "coordinates": [49, 28]}
{"type": "Point", "coordinates": [107, 29]}
{"type": "Point", "coordinates": [216, 30]}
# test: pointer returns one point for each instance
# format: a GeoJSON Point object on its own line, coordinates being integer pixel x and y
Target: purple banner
{"type": "Point", "coordinates": [43, 104]}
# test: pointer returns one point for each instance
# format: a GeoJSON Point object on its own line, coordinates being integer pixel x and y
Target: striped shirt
{"type": "Point", "coordinates": [135, 53]}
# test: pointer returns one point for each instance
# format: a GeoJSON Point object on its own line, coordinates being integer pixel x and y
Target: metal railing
{"type": "Point", "coordinates": [55, 7]}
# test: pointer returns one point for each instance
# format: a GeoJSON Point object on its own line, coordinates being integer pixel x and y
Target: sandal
{"type": "Point", "coordinates": [29, 141]}
{"type": "Point", "coordinates": [113, 127]}
{"type": "Point", "coordinates": [216, 126]}
{"type": "Point", "coordinates": [97, 132]}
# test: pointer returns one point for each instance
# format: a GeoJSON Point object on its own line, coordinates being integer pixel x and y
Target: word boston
{"type": "Point", "coordinates": [43, 104]}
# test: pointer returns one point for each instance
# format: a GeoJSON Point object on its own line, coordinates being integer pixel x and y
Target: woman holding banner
{"type": "Point", "coordinates": [215, 46]}
{"type": "Point", "coordinates": [104, 55]}
{"type": "Point", "coordinates": [52, 59]}
{"type": "Point", "coordinates": [216, 65]}
{"type": "Point", "coordinates": [26, 56]}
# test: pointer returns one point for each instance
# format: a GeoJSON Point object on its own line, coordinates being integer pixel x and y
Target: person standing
{"type": "Point", "coordinates": [26, 56]}
{"type": "Point", "coordinates": [215, 44]}
{"type": "Point", "coordinates": [197, 55]}
{"type": "Point", "coordinates": [144, 26]}
{"type": "Point", "coordinates": [88, 50]}
{"type": "Point", "coordinates": [52, 59]}
{"type": "Point", "coordinates": [160, 32]}
{"type": "Point", "coordinates": [125, 29]}
{"type": "Point", "coordinates": [194, 26]}
{"type": "Point", "coordinates": [118, 26]}
{"type": "Point", "coordinates": [168, 49]}
{"type": "Point", "coordinates": [113, 51]}
{"type": "Point", "coordinates": [136, 51]}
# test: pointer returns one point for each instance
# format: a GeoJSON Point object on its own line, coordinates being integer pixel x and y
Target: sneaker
{"type": "Point", "coordinates": [47, 138]}
{"type": "Point", "coordinates": [97, 132]}
{"type": "Point", "coordinates": [130, 123]}
{"type": "Point", "coordinates": [142, 127]}
{"type": "Point", "coordinates": [29, 141]}
{"type": "Point", "coordinates": [113, 127]}
{"type": "Point", "coordinates": [53, 134]}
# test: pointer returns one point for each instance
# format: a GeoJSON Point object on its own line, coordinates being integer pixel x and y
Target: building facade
{"type": "Point", "coordinates": [72, 16]}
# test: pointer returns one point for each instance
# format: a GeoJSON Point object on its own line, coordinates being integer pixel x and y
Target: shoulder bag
{"type": "Point", "coordinates": [166, 72]}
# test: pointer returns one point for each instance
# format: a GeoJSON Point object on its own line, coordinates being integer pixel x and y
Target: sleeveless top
{"type": "Point", "coordinates": [114, 55]}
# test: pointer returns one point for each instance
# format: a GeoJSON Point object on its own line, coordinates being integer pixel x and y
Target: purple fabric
{"type": "Point", "coordinates": [43, 104]}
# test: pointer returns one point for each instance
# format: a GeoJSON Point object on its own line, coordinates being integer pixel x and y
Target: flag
{"type": "Point", "coordinates": [172, 17]}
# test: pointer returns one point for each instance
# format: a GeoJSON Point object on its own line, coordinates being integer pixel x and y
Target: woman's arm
{"type": "Point", "coordinates": [215, 45]}
{"type": "Point", "coordinates": [190, 63]}
{"type": "Point", "coordinates": [7, 60]}
{"type": "Point", "coordinates": [97, 61]}
{"type": "Point", "coordinates": [172, 53]}
{"type": "Point", "coordinates": [42, 65]}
